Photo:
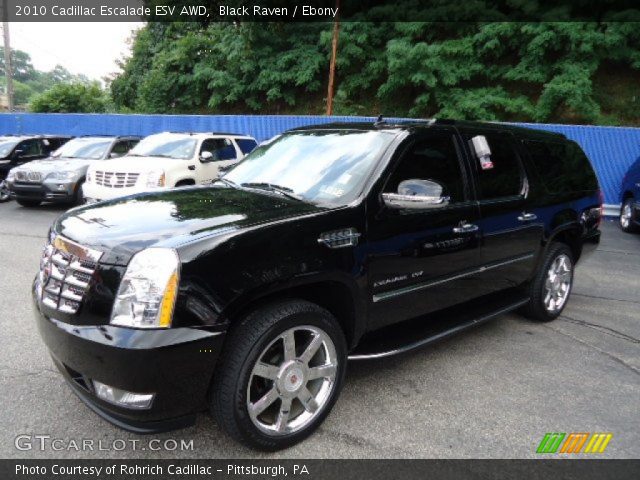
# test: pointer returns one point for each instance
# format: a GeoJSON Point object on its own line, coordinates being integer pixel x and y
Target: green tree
{"type": "Point", "coordinates": [71, 98]}
{"type": "Point", "coordinates": [577, 72]}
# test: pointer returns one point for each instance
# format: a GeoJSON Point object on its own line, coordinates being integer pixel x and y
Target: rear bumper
{"type": "Point", "coordinates": [45, 192]}
{"type": "Point", "coordinates": [176, 365]}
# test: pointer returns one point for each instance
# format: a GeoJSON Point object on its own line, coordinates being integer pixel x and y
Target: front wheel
{"type": "Point", "coordinates": [4, 192]}
{"type": "Point", "coordinates": [550, 289]}
{"type": "Point", "coordinates": [280, 373]}
{"type": "Point", "coordinates": [626, 216]}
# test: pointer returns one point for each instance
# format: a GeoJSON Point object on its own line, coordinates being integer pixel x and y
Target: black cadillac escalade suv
{"type": "Point", "coordinates": [334, 242]}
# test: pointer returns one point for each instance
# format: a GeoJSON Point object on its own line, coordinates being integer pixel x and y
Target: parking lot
{"type": "Point", "coordinates": [492, 392]}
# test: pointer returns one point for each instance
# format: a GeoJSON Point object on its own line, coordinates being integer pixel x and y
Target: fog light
{"type": "Point", "coordinates": [122, 397]}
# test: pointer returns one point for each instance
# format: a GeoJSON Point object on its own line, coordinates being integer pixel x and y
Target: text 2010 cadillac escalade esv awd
{"type": "Point", "coordinates": [247, 296]}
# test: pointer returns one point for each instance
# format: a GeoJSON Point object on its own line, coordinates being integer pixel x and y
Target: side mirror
{"type": "Point", "coordinates": [18, 152]}
{"type": "Point", "coordinates": [206, 156]}
{"type": "Point", "coordinates": [416, 194]}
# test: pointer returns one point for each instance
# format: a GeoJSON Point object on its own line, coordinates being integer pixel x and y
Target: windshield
{"type": "Point", "coordinates": [91, 148]}
{"type": "Point", "coordinates": [169, 146]}
{"type": "Point", "coordinates": [6, 147]}
{"type": "Point", "coordinates": [325, 167]}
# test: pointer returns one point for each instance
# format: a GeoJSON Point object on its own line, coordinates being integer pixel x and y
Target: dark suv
{"type": "Point", "coordinates": [247, 296]}
{"type": "Point", "coordinates": [17, 150]}
{"type": "Point", "coordinates": [630, 199]}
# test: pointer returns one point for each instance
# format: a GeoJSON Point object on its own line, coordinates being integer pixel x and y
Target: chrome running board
{"type": "Point", "coordinates": [433, 332]}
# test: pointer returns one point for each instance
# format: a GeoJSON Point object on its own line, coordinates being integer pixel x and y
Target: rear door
{"type": "Point", "coordinates": [424, 260]}
{"type": "Point", "coordinates": [511, 233]}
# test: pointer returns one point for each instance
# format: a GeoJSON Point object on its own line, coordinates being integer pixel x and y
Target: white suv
{"type": "Point", "coordinates": [166, 160]}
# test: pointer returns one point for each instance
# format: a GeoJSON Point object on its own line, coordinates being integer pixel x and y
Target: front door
{"type": "Point", "coordinates": [223, 153]}
{"type": "Point", "coordinates": [421, 260]}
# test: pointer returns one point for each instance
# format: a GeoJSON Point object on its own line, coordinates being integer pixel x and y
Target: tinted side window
{"type": "Point", "coordinates": [30, 148]}
{"type": "Point", "coordinates": [562, 166]}
{"type": "Point", "coordinates": [121, 147]}
{"type": "Point", "coordinates": [504, 179]}
{"type": "Point", "coordinates": [434, 158]}
{"type": "Point", "coordinates": [246, 144]}
{"type": "Point", "coordinates": [222, 149]}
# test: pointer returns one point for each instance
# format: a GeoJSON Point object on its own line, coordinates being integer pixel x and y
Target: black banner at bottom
{"type": "Point", "coordinates": [583, 469]}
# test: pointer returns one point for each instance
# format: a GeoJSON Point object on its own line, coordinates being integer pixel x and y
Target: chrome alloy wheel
{"type": "Point", "coordinates": [625, 216]}
{"type": "Point", "coordinates": [558, 283]}
{"type": "Point", "coordinates": [292, 380]}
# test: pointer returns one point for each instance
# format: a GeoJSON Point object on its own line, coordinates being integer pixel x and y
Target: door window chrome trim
{"type": "Point", "coordinates": [421, 286]}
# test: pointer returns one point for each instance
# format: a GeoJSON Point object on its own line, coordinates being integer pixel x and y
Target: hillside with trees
{"type": "Point", "coordinates": [568, 72]}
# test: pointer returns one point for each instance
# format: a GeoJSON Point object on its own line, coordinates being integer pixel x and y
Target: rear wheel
{"type": "Point", "coordinates": [626, 216]}
{"type": "Point", "coordinates": [550, 289]}
{"type": "Point", "coordinates": [29, 203]}
{"type": "Point", "coordinates": [281, 371]}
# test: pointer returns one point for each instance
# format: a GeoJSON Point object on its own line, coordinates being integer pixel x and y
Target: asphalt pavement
{"type": "Point", "coordinates": [491, 392]}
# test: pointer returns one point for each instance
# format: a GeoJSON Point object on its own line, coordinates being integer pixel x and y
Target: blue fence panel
{"type": "Point", "coordinates": [611, 149]}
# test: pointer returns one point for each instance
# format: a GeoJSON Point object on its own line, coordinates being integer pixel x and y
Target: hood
{"type": "Point", "coordinates": [138, 164]}
{"type": "Point", "coordinates": [124, 226]}
{"type": "Point", "coordinates": [56, 164]}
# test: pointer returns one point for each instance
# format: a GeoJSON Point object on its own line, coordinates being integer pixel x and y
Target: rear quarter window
{"type": "Point", "coordinates": [561, 166]}
{"type": "Point", "coordinates": [246, 144]}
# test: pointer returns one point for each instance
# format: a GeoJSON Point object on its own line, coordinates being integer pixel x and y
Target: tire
{"type": "Point", "coordinates": [239, 386]}
{"type": "Point", "coordinates": [626, 216]}
{"type": "Point", "coordinates": [4, 192]}
{"type": "Point", "coordinates": [78, 197]}
{"type": "Point", "coordinates": [29, 203]}
{"type": "Point", "coordinates": [542, 290]}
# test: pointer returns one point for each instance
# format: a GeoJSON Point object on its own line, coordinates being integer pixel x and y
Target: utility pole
{"type": "Point", "coordinates": [334, 52]}
{"type": "Point", "coordinates": [7, 55]}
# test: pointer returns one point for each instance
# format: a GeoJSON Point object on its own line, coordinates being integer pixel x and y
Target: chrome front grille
{"type": "Point", "coordinates": [31, 177]}
{"type": "Point", "coordinates": [115, 179]}
{"type": "Point", "coordinates": [66, 270]}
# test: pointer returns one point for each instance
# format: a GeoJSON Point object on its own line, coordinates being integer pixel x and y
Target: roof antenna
{"type": "Point", "coordinates": [380, 120]}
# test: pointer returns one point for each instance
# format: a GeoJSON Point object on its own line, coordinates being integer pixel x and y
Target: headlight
{"type": "Point", "coordinates": [148, 290]}
{"type": "Point", "coordinates": [155, 178]}
{"type": "Point", "coordinates": [61, 176]}
{"type": "Point", "coordinates": [11, 176]}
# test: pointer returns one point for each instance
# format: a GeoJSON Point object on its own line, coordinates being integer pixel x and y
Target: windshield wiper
{"type": "Point", "coordinates": [272, 187]}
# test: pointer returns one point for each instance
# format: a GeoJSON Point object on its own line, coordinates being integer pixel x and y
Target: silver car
{"type": "Point", "coordinates": [59, 178]}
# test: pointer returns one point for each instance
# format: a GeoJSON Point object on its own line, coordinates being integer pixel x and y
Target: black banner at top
{"type": "Point", "coordinates": [207, 11]}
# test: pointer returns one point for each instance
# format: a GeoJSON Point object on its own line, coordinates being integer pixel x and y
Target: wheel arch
{"type": "Point", "coordinates": [335, 295]}
{"type": "Point", "coordinates": [183, 182]}
{"type": "Point", "coordinates": [570, 235]}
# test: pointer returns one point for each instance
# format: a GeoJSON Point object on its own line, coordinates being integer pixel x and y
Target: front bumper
{"type": "Point", "coordinates": [45, 192]}
{"type": "Point", "coordinates": [175, 364]}
{"type": "Point", "coordinates": [96, 193]}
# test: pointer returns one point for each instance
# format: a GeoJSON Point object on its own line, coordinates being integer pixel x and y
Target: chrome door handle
{"type": "Point", "coordinates": [527, 217]}
{"type": "Point", "coordinates": [465, 227]}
